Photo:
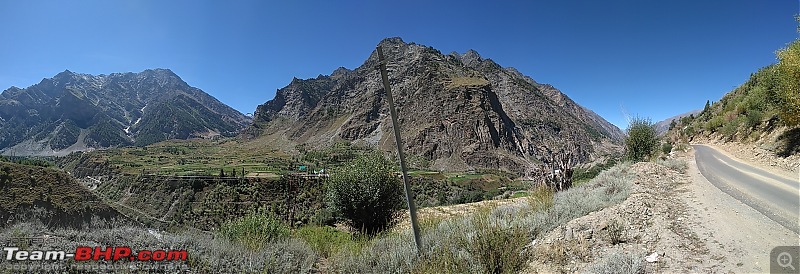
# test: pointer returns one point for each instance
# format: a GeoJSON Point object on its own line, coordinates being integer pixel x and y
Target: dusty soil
{"type": "Point", "coordinates": [689, 223]}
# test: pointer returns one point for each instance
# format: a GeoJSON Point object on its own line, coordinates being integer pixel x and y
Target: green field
{"type": "Point", "coordinates": [199, 157]}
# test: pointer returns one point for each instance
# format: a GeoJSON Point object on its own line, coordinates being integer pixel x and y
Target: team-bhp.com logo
{"type": "Point", "coordinates": [85, 253]}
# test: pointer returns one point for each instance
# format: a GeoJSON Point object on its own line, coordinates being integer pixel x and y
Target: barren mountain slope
{"type": "Point", "coordinates": [457, 111]}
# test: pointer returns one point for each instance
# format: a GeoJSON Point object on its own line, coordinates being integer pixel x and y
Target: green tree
{"type": "Point", "coordinates": [706, 113]}
{"type": "Point", "coordinates": [788, 69]}
{"type": "Point", "coordinates": [366, 193]}
{"type": "Point", "coordinates": [642, 139]}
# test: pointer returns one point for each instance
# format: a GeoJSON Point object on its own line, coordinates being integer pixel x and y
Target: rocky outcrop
{"type": "Point", "coordinates": [459, 111]}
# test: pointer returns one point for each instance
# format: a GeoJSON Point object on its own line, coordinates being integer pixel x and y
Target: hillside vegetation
{"type": "Point", "coordinates": [769, 102]}
{"type": "Point", "coordinates": [51, 196]}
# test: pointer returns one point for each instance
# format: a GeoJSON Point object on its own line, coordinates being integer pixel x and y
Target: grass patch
{"type": "Point", "coordinates": [326, 240]}
{"type": "Point", "coordinates": [186, 157]}
{"type": "Point", "coordinates": [583, 175]}
{"type": "Point", "coordinates": [206, 253]}
{"type": "Point", "coordinates": [519, 194]}
{"type": "Point", "coordinates": [255, 230]}
{"type": "Point", "coordinates": [498, 248]}
{"type": "Point", "coordinates": [540, 198]}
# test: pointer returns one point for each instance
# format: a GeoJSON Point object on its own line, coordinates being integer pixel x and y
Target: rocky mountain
{"type": "Point", "coordinates": [457, 111]}
{"type": "Point", "coordinates": [74, 112]}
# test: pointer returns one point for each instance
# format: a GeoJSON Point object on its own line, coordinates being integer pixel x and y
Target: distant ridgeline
{"type": "Point", "coordinates": [76, 112]}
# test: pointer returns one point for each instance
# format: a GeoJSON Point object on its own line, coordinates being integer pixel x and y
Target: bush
{"type": "Point", "coordinates": [754, 118]}
{"type": "Point", "coordinates": [713, 124]}
{"type": "Point", "coordinates": [498, 249]}
{"type": "Point", "coordinates": [666, 148]}
{"type": "Point", "coordinates": [616, 231]}
{"type": "Point", "coordinates": [642, 139]}
{"type": "Point", "coordinates": [324, 217]}
{"type": "Point", "coordinates": [366, 194]}
{"type": "Point", "coordinates": [255, 230]}
{"type": "Point", "coordinates": [674, 164]}
{"type": "Point", "coordinates": [729, 129]}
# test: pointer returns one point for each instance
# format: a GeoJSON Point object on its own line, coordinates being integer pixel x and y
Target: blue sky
{"type": "Point", "coordinates": [649, 58]}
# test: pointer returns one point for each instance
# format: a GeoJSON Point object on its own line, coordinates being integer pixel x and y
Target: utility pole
{"type": "Point", "coordinates": [412, 207]}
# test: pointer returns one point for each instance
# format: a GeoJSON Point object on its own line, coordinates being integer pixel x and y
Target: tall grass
{"type": "Point", "coordinates": [326, 240]}
{"type": "Point", "coordinates": [207, 253]}
{"type": "Point", "coordinates": [255, 229]}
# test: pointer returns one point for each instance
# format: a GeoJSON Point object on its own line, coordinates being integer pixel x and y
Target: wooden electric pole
{"type": "Point", "coordinates": [412, 207]}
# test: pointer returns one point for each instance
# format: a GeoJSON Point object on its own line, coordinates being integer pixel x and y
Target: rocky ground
{"type": "Point", "coordinates": [688, 223]}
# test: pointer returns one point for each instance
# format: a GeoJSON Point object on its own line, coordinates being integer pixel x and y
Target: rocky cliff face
{"type": "Point", "coordinates": [458, 111]}
{"type": "Point", "coordinates": [72, 112]}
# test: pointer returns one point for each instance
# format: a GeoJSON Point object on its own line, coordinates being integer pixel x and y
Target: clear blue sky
{"type": "Point", "coordinates": [651, 58]}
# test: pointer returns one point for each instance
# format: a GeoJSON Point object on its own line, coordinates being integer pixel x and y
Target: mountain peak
{"type": "Point", "coordinates": [471, 58]}
{"type": "Point", "coordinates": [160, 72]}
{"type": "Point", "coordinates": [340, 71]}
{"type": "Point", "coordinates": [392, 41]}
{"type": "Point", "coordinates": [471, 53]}
{"type": "Point", "coordinates": [65, 73]}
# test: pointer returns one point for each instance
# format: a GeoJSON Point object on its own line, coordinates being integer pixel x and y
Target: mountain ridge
{"type": "Point", "coordinates": [664, 125]}
{"type": "Point", "coordinates": [458, 111]}
{"type": "Point", "coordinates": [75, 112]}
